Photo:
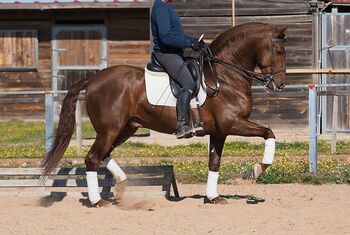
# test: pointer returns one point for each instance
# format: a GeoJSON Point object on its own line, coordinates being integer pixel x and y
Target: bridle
{"type": "Point", "coordinates": [264, 78]}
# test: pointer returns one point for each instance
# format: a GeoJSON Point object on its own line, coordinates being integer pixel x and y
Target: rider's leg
{"type": "Point", "coordinates": [182, 109]}
{"type": "Point", "coordinates": [174, 65]}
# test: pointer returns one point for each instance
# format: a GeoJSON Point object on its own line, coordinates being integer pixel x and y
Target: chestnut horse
{"type": "Point", "coordinates": [117, 105]}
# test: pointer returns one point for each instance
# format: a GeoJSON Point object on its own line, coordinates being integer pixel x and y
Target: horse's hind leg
{"type": "Point", "coordinates": [97, 153]}
{"type": "Point", "coordinates": [248, 128]}
{"type": "Point", "coordinates": [113, 167]}
{"type": "Point", "coordinates": [215, 150]}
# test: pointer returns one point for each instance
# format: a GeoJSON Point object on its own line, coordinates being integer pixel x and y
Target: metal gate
{"type": "Point", "coordinates": [336, 54]}
{"type": "Point", "coordinates": [78, 52]}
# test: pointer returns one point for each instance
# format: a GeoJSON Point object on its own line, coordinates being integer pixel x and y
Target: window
{"type": "Point", "coordinates": [18, 49]}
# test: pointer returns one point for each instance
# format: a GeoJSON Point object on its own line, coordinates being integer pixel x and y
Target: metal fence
{"type": "Point", "coordinates": [50, 97]}
{"type": "Point", "coordinates": [314, 92]}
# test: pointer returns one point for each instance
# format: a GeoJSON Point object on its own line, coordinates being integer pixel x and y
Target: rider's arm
{"type": "Point", "coordinates": [167, 36]}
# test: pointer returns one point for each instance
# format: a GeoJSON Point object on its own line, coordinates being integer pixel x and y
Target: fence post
{"type": "Point", "coordinates": [49, 120]}
{"type": "Point", "coordinates": [334, 125]}
{"type": "Point", "coordinates": [78, 127]}
{"type": "Point", "coordinates": [313, 128]}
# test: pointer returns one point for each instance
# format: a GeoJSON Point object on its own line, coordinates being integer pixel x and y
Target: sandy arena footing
{"type": "Point", "coordinates": [288, 209]}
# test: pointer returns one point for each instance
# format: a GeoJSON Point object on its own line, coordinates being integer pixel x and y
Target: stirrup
{"type": "Point", "coordinates": [185, 133]}
{"type": "Point", "coordinates": [198, 130]}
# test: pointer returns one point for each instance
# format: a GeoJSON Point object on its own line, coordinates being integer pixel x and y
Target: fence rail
{"type": "Point", "coordinates": [311, 91]}
{"type": "Point", "coordinates": [49, 97]}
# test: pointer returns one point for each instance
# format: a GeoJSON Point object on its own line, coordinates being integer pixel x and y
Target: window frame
{"type": "Point", "coordinates": [36, 51]}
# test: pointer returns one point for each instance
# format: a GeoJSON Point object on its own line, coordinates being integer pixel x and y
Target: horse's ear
{"type": "Point", "coordinates": [280, 33]}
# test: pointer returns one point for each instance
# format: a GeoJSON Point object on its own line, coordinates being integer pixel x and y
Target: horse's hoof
{"type": "Point", "coordinates": [256, 171]}
{"type": "Point", "coordinates": [219, 200]}
{"type": "Point", "coordinates": [102, 203]}
{"type": "Point", "coordinates": [120, 188]}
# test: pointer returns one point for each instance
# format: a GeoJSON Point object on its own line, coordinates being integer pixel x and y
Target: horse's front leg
{"type": "Point", "coordinates": [216, 145]}
{"type": "Point", "coordinates": [250, 129]}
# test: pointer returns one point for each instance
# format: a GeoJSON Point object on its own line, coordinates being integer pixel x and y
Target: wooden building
{"type": "Point", "coordinates": [213, 17]}
{"type": "Point", "coordinates": [51, 45]}
{"type": "Point", "coordinates": [304, 52]}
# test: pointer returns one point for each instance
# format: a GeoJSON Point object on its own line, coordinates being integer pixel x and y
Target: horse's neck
{"type": "Point", "coordinates": [241, 55]}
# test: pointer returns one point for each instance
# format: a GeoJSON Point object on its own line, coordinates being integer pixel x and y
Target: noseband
{"type": "Point", "coordinates": [265, 79]}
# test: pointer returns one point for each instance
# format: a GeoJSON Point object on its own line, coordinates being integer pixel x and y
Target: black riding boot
{"type": "Point", "coordinates": [182, 109]}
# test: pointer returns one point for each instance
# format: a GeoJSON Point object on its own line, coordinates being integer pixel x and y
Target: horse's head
{"type": "Point", "coordinates": [271, 59]}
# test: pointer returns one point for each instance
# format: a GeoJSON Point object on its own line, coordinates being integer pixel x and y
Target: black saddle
{"type": "Point", "coordinates": [192, 65]}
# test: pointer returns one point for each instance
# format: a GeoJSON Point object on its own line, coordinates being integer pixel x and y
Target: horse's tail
{"type": "Point", "coordinates": [65, 129]}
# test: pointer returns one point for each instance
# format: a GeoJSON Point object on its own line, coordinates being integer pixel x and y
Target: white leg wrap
{"type": "Point", "coordinates": [269, 153]}
{"type": "Point", "coordinates": [212, 185]}
{"type": "Point", "coordinates": [116, 171]}
{"type": "Point", "coordinates": [92, 182]}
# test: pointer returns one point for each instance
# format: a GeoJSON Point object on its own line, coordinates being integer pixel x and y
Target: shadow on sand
{"type": "Point", "coordinates": [250, 199]}
{"type": "Point", "coordinates": [49, 200]}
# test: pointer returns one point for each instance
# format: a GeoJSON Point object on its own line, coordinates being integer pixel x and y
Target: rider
{"type": "Point", "coordinates": [169, 42]}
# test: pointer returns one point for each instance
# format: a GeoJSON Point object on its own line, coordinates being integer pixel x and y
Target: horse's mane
{"type": "Point", "coordinates": [239, 34]}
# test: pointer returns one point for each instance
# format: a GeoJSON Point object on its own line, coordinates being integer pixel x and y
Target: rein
{"type": "Point", "coordinates": [265, 79]}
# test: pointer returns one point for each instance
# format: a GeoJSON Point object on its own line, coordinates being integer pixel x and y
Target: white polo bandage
{"type": "Point", "coordinates": [269, 154]}
{"type": "Point", "coordinates": [92, 183]}
{"type": "Point", "coordinates": [212, 185]}
{"type": "Point", "coordinates": [116, 171]}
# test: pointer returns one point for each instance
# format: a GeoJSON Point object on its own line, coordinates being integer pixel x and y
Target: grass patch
{"type": "Point", "coordinates": [14, 146]}
{"type": "Point", "coordinates": [20, 139]}
{"type": "Point", "coordinates": [282, 171]}
{"type": "Point", "coordinates": [19, 132]}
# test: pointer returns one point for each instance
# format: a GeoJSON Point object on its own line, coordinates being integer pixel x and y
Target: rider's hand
{"type": "Point", "coordinates": [196, 45]}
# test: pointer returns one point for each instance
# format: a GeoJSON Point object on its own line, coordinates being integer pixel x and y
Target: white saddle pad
{"type": "Point", "coordinates": [159, 92]}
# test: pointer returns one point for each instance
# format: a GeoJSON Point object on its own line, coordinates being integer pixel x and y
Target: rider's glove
{"type": "Point", "coordinates": [195, 45]}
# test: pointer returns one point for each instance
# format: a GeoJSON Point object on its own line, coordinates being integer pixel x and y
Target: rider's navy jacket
{"type": "Point", "coordinates": [167, 31]}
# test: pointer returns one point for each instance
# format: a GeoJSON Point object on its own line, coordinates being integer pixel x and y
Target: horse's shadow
{"type": "Point", "coordinates": [250, 199]}
{"type": "Point", "coordinates": [54, 197]}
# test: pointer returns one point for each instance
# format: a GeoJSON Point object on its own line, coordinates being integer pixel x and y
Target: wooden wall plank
{"type": "Point", "coordinates": [81, 48]}
{"type": "Point", "coordinates": [136, 53]}
{"type": "Point", "coordinates": [18, 49]}
{"type": "Point", "coordinates": [128, 40]}
{"type": "Point", "coordinates": [214, 17]}
{"type": "Point", "coordinates": [270, 7]}
{"type": "Point", "coordinates": [203, 7]}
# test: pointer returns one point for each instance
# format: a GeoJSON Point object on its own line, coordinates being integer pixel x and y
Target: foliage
{"type": "Point", "coordinates": [282, 171]}
{"type": "Point", "coordinates": [22, 132]}
{"type": "Point", "coordinates": [19, 139]}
